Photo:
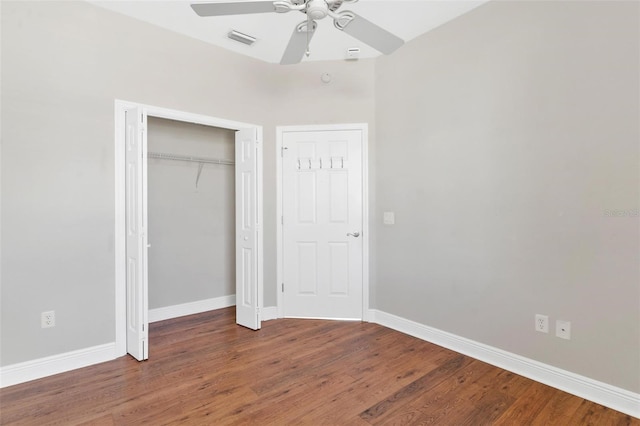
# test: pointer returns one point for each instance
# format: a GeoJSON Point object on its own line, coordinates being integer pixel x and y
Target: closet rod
{"type": "Point", "coordinates": [163, 156]}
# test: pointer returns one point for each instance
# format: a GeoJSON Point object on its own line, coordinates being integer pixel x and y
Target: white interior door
{"type": "Point", "coordinates": [136, 233]}
{"type": "Point", "coordinates": [247, 223]}
{"type": "Point", "coordinates": [322, 224]}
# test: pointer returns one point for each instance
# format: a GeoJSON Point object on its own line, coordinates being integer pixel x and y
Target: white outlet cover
{"type": "Point", "coordinates": [563, 329]}
{"type": "Point", "coordinates": [542, 323]}
{"type": "Point", "coordinates": [48, 319]}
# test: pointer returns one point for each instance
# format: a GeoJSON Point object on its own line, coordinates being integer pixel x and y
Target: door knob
{"type": "Point", "coordinates": [355, 234]}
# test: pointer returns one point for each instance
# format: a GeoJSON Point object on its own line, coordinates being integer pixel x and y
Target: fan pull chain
{"type": "Point", "coordinates": [309, 26]}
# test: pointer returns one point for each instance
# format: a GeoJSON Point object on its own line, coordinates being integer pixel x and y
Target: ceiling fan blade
{"type": "Point", "coordinates": [371, 34]}
{"type": "Point", "coordinates": [298, 44]}
{"type": "Point", "coordinates": [233, 8]}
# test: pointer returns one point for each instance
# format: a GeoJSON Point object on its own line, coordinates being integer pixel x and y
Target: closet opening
{"type": "Point", "coordinates": [188, 222]}
{"type": "Point", "coordinates": [191, 218]}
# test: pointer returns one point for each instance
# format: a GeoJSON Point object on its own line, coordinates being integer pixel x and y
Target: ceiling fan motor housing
{"type": "Point", "coordinates": [317, 9]}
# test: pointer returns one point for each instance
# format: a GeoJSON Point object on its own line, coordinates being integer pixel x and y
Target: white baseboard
{"type": "Point", "coordinates": [175, 311]}
{"type": "Point", "coordinates": [48, 366]}
{"type": "Point", "coordinates": [269, 313]}
{"type": "Point", "coordinates": [602, 393]}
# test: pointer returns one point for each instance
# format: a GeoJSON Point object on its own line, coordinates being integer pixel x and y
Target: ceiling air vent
{"type": "Point", "coordinates": [242, 38]}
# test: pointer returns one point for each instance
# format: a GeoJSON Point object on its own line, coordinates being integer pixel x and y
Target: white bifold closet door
{"type": "Point", "coordinates": [247, 221]}
{"type": "Point", "coordinates": [136, 230]}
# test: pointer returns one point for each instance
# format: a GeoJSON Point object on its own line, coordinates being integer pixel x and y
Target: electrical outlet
{"type": "Point", "coordinates": [563, 329]}
{"type": "Point", "coordinates": [542, 323]}
{"type": "Point", "coordinates": [48, 319]}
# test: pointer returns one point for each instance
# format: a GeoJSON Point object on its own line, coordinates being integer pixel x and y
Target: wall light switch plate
{"type": "Point", "coordinates": [389, 218]}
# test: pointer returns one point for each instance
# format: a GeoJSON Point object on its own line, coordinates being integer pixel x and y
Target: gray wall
{"type": "Point", "coordinates": [63, 64]}
{"type": "Point", "coordinates": [191, 229]}
{"type": "Point", "coordinates": [503, 138]}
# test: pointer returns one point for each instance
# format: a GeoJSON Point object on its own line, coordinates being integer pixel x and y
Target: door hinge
{"type": "Point", "coordinates": [281, 220]}
{"type": "Point", "coordinates": [282, 151]}
{"type": "Point", "coordinates": [283, 287]}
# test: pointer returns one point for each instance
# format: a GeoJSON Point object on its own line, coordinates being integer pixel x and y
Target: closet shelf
{"type": "Point", "coordinates": [175, 157]}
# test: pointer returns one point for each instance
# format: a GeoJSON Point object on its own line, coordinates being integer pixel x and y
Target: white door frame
{"type": "Point", "coordinates": [364, 128]}
{"type": "Point", "coordinates": [120, 229]}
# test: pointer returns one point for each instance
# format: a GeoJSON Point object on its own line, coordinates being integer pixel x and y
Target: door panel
{"type": "Point", "coordinates": [338, 269]}
{"type": "Point", "coordinates": [136, 233]}
{"type": "Point", "coordinates": [307, 268]}
{"type": "Point", "coordinates": [247, 313]}
{"type": "Point", "coordinates": [306, 199]}
{"type": "Point", "coordinates": [322, 203]}
{"type": "Point", "coordinates": [339, 197]}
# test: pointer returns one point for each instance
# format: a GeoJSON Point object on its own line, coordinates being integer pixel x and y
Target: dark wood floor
{"type": "Point", "coordinates": [204, 369]}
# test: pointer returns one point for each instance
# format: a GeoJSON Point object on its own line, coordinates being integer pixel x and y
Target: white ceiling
{"type": "Point", "coordinates": [405, 18]}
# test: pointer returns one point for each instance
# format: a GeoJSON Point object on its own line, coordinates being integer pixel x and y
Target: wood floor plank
{"type": "Point", "coordinates": [528, 406]}
{"type": "Point", "coordinates": [408, 393]}
{"type": "Point", "coordinates": [377, 375]}
{"type": "Point", "coordinates": [478, 397]}
{"type": "Point", "coordinates": [591, 414]}
{"type": "Point", "coordinates": [447, 399]}
{"type": "Point", "coordinates": [558, 410]}
{"type": "Point", "coordinates": [103, 420]}
{"type": "Point", "coordinates": [204, 369]}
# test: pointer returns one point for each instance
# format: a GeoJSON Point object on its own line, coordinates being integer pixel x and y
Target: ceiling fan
{"type": "Point", "coordinates": [347, 21]}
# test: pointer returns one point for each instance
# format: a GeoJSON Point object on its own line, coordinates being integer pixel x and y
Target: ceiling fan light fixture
{"type": "Point", "coordinates": [303, 27]}
{"type": "Point", "coordinates": [317, 9]}
{"type": "Point", "coordinates": [343, 19]}
{"type": "Point", "coordinates": [285, 6]}
{"type": "Point", "coordinates": [241, 37]}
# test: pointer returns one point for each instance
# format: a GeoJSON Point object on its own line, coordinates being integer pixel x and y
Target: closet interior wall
{"type": "Point", "coordinates": [191, 209]}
